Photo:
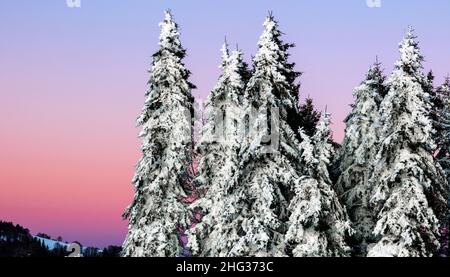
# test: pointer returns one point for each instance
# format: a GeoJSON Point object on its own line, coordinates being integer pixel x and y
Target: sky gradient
{"type": "Point", "coordinates": [72, 82]}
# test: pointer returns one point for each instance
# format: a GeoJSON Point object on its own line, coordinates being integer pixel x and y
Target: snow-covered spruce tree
{"type": "Point", "coordinates": [443, 137]}
{"type": "Point", "coordinates": [409, 186]}
{"type": "Point", "coordinates": [219, 146]}
{"type": "Point", "coordinates": [318, 223]}
{"type": "Point", "coordinates": [443, 91]}
{"type": "Point", "coordinates": [436, 103]}
{"type": "Point", "coordinates": [308, 117]}
{"type": "Point", "coordinates": [156, 215]}
{"type": "Point", "coordinates": [209, 146]}
{"type": "Point", "coordinates": [358, 153]}
{"type": "Point", "coordinates": [443, 155]}
{"type": "Point", "coordinates": [270, 153]}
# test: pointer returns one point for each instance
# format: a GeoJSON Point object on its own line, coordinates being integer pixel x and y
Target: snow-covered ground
{"type": "Point", "coordinates": [51, 244]}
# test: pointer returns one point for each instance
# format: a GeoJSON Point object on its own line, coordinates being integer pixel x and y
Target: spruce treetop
{"type": "Point", "coordinates": [322, 140]}
{"type": "Point", "coordinates": [168, 75]}
{"type": "Point", "coordinates": [234, 71]}
{"type": "Point", "coordinates": [410, 57]}
{"type": "Point", "coordinates": [375, 79]}
{"type": "Point", "coordinates": [444, 89]}
{"type": "Point", "coordinates": [169, 38]}
{"type": "Point", "coordinates": [225, 55]}
{"type": "Point", "coordinates": [308, 117]}
{"type": "Point", "coordinates": [406, 107]}
{"type": "Point", "coordinates": [231, 83]}
{"type": "Point", "coordinates": [272, 70]}
{"type": "Point", "coordinates": [368, 97]}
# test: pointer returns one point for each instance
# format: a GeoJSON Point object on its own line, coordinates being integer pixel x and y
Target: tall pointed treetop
{"type": "Point", "coordinates": [324, 149]}
{"type": "Point", "coordinates": [407, 97]}
{"type": "Point", "coordinates": [225, 54]}
{"type": "Point", "coordinates": [274, 74]}
{"type": "Point", "coordinates": [410, 57]}
{"type": "Point", "coordinates": [169, 37]}
{"type": "Point", "coordinates": [443, 91]}
{"type": "Point", "coordinates": [308, 117]}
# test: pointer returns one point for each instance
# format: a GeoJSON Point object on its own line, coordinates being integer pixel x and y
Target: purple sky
{"type": "Point", "coordinates": [73, 81]}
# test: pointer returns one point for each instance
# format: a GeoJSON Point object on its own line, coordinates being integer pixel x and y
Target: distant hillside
{"type": "Point", "coordinates": [16, 241]}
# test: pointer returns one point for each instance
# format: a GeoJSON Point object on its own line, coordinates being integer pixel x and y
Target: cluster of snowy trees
{"type": "Point", "coordinates": [269, 180]}
{"type": "Point", "coordinates": [392, 182]}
